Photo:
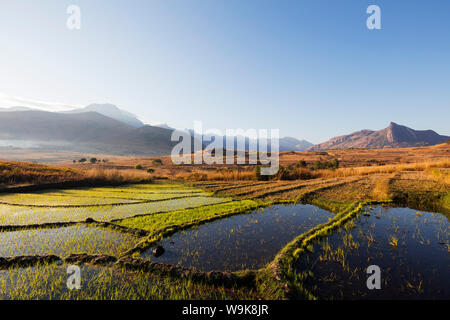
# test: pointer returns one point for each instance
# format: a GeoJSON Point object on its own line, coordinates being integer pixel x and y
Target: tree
{"type": "Point", "coordinates": [138, 167]}
{"type": "Point", "coordinates": [82, 160]}
{"type": "Point", "coordinates": [93, 160]}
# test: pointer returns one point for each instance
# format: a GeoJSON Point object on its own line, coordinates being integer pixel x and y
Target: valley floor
{"type": "Point", "coordinates": [110, 230]}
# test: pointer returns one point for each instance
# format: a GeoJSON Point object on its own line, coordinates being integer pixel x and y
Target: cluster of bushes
{"type": "Point", "coordinates": [91, 160]}
{"type": "Point", "coordinates": [140, 167]}
{"type": "Point", "coordinates": [298, 171]}
{"type": "Point", "coordinates": [157, 162]}
{"type": "Point", "coordinates": [333, 164]}
{"type": "Point", "coordinates": [317, 165]}
{"type": "Point", "coordinates": [295, 173]}
{"type": "Point", "coordinates": [292, 172]}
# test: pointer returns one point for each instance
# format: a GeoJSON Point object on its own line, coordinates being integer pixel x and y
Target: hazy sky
{"type": "Point", "coordinates": [310, 68]}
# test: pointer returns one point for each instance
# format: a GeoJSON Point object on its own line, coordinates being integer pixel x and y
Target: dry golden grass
{"type": "Point", "coordinates": [14, 173]}
{"type": "Point", "coordinates": [216, 175]}
{"type": "Point", "coordinates": [441, 174]}
{"type": "Point", "coordinates": [434, 168]}
{"type": "Point", "coordinates": [433, 161]}
{"type": "Point", "coordinates": [353, 162]}
{"type": "Point", "coordinates": [381, 190]}
{"type": "Point", "coordinates": [116, 176]}
{"type": "Point", "coordinates": [393, 168]}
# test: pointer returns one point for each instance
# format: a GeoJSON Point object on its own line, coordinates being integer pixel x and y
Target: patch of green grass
{"type": "Point", "coordinates": [153, 223]}
{"type": "Point", "coordinates": [446, 202]}
{"type": "Point", "coordinates": [334, 206]}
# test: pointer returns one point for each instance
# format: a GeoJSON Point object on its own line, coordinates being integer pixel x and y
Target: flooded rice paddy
{"type": "Point", "coordinates": [23, 215]}
{"type": "Point", "coordinates": [247, 241]}
{"type": "Point", "coordinates": [65, 241]}
{"type": "Point", "coordinates": [411, 248]}
{"type": "Point", "coordinates": [49, 282]}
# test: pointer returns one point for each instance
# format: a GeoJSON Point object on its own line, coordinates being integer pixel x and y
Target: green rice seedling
{"type": "Point", "coordinates": [393, 242]}
{"type": "Point", "coordinates": [48, 282]}
{"type": "Point", "coordinates": [157, 222]}
{"type": "Point", "coordinates": [65, 241]}
{"type": "Point", "coordinates": [17, 215]}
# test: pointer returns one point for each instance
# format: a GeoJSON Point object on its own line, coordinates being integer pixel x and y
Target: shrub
{"type": "Point", "coordinates": [138, 167]}
{"type": "Point", "coordinates": [150, 170]}
{"type": "Point", "coordinates": [318, 165]}
{"type": "Point", "coordinates": [258, 174]}
{"type": "Point", "coordinates": [335, 164]}
{"type": "Point", "coordinates": [157, 162]}
{"type": "Point", "coordinates": [93, 160]}
{"type": "Point", "coordinates": [301, 164]}
{"type": "Point", "coordinates": [295, 173]}
{"type": "Point", "coordinates": [82, 160]}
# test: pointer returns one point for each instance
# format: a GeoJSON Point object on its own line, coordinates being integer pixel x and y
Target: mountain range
{"type": "Point", "coordinates": [111, 111]}
{"type": "Point", "coordinates": [104, 128]}
{"type": "Point", "coordinates": [95, 128]}
{"type": "Point", "coordinates": [394, 136]}
{"type": "Point", "coordinates": [83, 132]}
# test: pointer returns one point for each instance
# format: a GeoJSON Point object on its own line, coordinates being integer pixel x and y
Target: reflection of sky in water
{"type": "Point", "coordinates": [247, 241]}
{"type": "Point", "coordinates": [418, 267]}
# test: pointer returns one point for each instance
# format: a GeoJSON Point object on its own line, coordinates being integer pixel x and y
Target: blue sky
{"type": "Point", "coordinates": [310, 68]}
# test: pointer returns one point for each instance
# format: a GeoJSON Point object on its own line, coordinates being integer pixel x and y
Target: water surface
{"type": "Point", "coordinates": [65, 241]}
{"type": "Point", "coordinates": [411, 248]}
{"type": "Point", "coordinates": [247, 241]}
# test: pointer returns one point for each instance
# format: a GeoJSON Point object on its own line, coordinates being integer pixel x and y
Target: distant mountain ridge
{"type": "Point", "coordinates": [394, 136]}
{"type": "Point", "coordinates": [104, 128]}
{"type": "Point", "coordinates": [97, 128]}
{"type": "Point", "coordinates": [83, 132]}
{"type": "Point", "coordinates": [285, 144]}
{"type": "Point", "coordinates": [111, 111]}
{"type": "Point", "coordinates": [294, 144]}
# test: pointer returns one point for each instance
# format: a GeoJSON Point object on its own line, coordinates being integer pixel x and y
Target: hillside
{"type": "Point", "coordinates": [82, 132]}
{"type": "Point", "coordinates": [394, 136]}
